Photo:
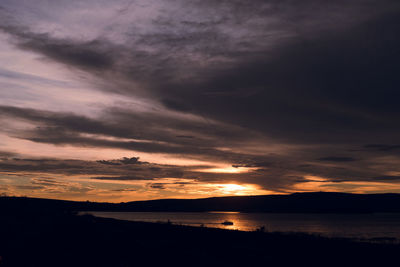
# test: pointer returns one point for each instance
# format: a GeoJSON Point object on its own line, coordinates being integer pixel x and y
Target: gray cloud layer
{"type": "Point", "coordinates": [335, 69]}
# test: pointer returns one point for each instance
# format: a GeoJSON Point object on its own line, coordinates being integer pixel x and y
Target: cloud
{"type": "Point", "coordinates": [382, 147]}
{"type": "Point", "coordinates": [124, 160]}
{"type": "Point", "coordinates": [30, 187]}
{"type": "Point", "coordinates": [333, 85]}
{"type": "Point", "coordinates": [125, 190]}
{"type": "Point", "coordinates": [153, 133]}
{"type": "Point", "coordinates": [335, 67]}
{"type": "Point", "coordinates": [269, 86]}
{"type": "Point", "coordinates": [157, 186]}
{"type": "Point", "coordinates": [387, 178]}
{"type": "Point", "coordinates": [86, 55]}
{"type": "Point", "coordinates": [133, 160]}
{"type": "Point", "coordinates": [337, 159]}
{"type": "Point", "coordinates": [6, 154]}
{"type": "Point", "coordinates": [121, 178]}
{"type": "Point", "coordinates": [107, 162]}
{"type": "Point", "coordinates": [82, 167]}
{"type": "Point", "coordinates": [252, 165]}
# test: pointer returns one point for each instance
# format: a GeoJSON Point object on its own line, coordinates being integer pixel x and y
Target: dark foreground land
{"type": "Point", "coordinates": [59, 238]}
{"type": "Point", "coordinates": [42, 232]}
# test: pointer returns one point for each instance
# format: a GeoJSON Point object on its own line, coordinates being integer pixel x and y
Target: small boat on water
{"type": "Point", "coordinates": [227, 223]}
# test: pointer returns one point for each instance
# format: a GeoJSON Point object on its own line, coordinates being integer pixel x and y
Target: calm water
{"type": "Point", "coordinates": [333, 225]}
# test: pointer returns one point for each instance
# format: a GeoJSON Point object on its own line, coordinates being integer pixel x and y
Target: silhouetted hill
{"type": "Point", "coordinates": [318, 202]}
{"type": "Point", "coordinates": [294, 203]}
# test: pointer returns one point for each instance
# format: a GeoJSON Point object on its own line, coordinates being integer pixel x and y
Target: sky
{"type": "Point", "coordinates": [145, 99]}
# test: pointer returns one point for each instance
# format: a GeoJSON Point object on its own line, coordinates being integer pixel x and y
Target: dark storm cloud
{"type": "Point", "coordinates": [337, 159]}
{"type": "Point", "coordinates": [92, 55]}
{"type": "Point", "coordinates": [382, 147]}
{"type": "Point", "coordinates": [133, 160]}
{"type": "Point", "coordinates": [330, 75]}
{"type": "Point", "coordinates": [332, 86]}
{"type": "Point", "coordinates": [328, 86]}
{"type": "Point", "coordinates": [387, 178]}
{"type": "Point", "coordinates": [59, 137]}
{"type": "Point", "coordinates": [121, 178]}
{"type": "Point", "coordinates": [107, 162]}
{"type": "Point", "coordinates": [69, 121]}
{"type": "Point", "coordinates": [20, 165]}
{"type": "Point", "coordinates": [305, 73]}
{"type": "Point", "coordinates": [185, 136]}
{"type": "Point", "coordinates": [118, 123]}
{"type": "Point", "coordinates": [154, 133]}
{"type": "Point", "coordinates": [336, 88]}
{"type": "Point", "coordinates": [138, 171]}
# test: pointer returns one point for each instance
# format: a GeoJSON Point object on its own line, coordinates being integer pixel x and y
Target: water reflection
{"type": "Point", "coordinates": [225, 212]}
{"type": "Point", "coordinates": [337, 225]}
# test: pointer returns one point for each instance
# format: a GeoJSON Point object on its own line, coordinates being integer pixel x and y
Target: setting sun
{"type": "Point", "coordinates": [236, 189]}
{"type": "Point", "coordinates": [233, 188]}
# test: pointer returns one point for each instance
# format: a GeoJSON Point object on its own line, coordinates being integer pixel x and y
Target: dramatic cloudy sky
{"type": "Point", "coordinates": [142, 99]}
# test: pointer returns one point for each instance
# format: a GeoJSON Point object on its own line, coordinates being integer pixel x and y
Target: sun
{"type": "Point", "coordinates": [226, 169]}
{"type": "Point", "coordinates": [233, 187]}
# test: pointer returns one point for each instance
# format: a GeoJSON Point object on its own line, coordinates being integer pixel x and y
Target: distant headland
{"type": "Point", "coordinates": [315, 202]}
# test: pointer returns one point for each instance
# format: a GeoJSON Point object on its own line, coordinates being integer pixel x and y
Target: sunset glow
{"type": "Point", "coordinates": [134, 100]}
{"type": "Point", "coordinates": [235, 189]}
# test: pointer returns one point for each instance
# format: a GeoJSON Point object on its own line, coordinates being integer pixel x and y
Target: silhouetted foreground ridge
{"type": "Point", "coordinates": [38, 232]}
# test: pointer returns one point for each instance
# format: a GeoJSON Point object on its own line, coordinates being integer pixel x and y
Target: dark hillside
{"type": "Point", "coordinates": [294, 203]}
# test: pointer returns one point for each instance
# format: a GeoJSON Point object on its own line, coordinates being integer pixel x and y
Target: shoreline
{"type": "Point", "coordinates": [63, 239]}
{"type": "Point", "coordinates": [243, 224]}
{"type": "Point", "coordinates": [376, 240]}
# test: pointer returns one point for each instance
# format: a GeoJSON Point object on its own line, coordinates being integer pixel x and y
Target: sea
{"type": "Point", "coordinates": [381, 227]}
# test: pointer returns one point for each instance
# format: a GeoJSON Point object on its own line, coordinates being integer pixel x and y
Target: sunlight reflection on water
{"type": "Point", "coordinates": [333, 225]}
